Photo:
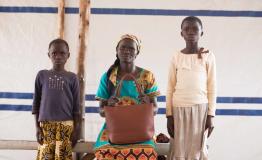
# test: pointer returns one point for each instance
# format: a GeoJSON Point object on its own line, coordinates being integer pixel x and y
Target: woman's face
{"type": "Point", "coordinates": [127, 50]}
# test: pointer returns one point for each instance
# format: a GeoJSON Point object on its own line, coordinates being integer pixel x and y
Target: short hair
{"type": "Point", "coordinates": [192, 19]}
{"type": "Point", "coordinates": [57, 41]}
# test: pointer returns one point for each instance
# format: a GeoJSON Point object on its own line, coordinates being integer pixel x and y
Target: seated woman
{"type": "Point", "coordinates": [127, 50]}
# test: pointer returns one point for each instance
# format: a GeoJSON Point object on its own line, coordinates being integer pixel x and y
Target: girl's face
{"type": "Point", "coordinates": [191, 31]}
{"type": "Point", "coordinates": [127, 50]}
{"type": "Point", "coordinates": [58, 53]}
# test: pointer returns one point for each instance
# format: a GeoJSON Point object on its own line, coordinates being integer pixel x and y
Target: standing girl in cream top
{"type": "Point", "coordinates": [191, 94]}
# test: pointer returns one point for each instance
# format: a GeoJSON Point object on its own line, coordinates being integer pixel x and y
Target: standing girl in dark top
{"type": "Point", "coordinates": [56, 106]}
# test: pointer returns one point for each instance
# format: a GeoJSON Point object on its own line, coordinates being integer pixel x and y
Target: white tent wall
{"type": "Point", "coordinates": [235, 41]}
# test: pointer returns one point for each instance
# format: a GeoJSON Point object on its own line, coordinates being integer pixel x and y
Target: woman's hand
{"type": "Point", "coordinates": [209, 125]}
{"type": "Point", "coordinates": [112, 101]}
{"type": "Point", "coordinates": [144, 99]}
{"type": "Point", "coordinates": [155, 110]}
{"type": "Point", "coordinates": [102, 103]}
{"type": "Point", "coordinates": [153, 100]}
{"type": "Point", "coordinates": [170, 126]}
{"type": "Point", "coordinates": [102, 111]}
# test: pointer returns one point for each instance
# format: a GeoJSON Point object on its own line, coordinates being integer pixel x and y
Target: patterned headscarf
{"type": "Point", "coordinates": [134, 38]}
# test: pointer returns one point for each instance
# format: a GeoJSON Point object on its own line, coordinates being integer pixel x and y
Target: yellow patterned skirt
{"type": "Point", "coordinates": [57, 143]}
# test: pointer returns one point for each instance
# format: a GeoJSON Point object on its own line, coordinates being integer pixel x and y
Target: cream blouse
{"type": "Point", "coordinates": [191, 81]}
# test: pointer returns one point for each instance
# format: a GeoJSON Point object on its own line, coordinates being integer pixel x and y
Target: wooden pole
{"type": "Point", "coordinates": [84, 10]}
{"type": "Point", "coordinates": [61, 18]}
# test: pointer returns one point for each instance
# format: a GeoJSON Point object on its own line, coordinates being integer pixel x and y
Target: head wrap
{"type": "Point", "coordinates": [134, 38]}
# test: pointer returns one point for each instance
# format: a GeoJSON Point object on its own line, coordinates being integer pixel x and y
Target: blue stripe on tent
{"type": "Point", "coordinates": [14, 95]}
{"type": "Point", "coordinates": [126, 11]}
{"type": "Point", "coordinates": [10, 9]}
{"type": "Point", "coordinates": [70, 10]}
{"type": "Point", "coordinates": [165, 12]}
{"type": "Point", "coordinates": [8, 107]}
{"type": "Point", "coordinates": [91, 97]}
{"type": "Point", "coordinates": [251, 100]}
{"type": "Point", "coordinates": [238, 112]}
{"type": "Point", "coordinates": [93, 109]}
{"type": "Point", "coordinates": [255, 100]}
{"type": "Point", "coordinates": [161, 98]}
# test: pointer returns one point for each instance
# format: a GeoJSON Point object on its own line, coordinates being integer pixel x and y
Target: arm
{"type": "Point", "coordinates": [211, 85]}
{"type": "Point", "coordinates": [102, 103]}
{"type": "Point", "coordinates": [211, 92]}
{"type": "Point", "coordinates": [110, 102]}
{"type": "Point", "coordinates": [169, 96]}
{"type": "Point", "coordinates": [77, 129]}
{"type": "Point", "coordinates": [154, 101]}
{"type": "Point", "coordinates": [39, 131]}
{"type": "Point", "coordinates": [103, 94]}
{"type": "Point", "coordinates": [36, 108]}
{"type": "Point", "coordinates": [76, 111]}
{"type": "Point", "coordinates": [171, 83]}
{"type": "Point", "coordinates": [150, 92]}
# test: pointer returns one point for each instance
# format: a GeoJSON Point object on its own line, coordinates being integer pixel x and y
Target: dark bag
{"type": "Point", "coordinates": [132, 123]}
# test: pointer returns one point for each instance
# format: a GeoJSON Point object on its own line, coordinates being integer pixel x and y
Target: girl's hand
{"type": "Point", "coordinates": [209, 125]}
{"type": "Point", "coordinates": [170, 126]}
{"type": "Point", "coordinates": [39, 135]}
{"type": "Point", "coordinates": [75, 136]}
